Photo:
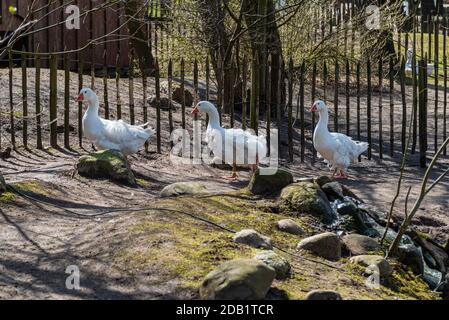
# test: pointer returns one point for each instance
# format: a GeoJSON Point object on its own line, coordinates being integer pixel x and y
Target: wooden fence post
{"type": "Point", "coordinates": [404, 106]}
{"type": "Point", "coordinates": [11, 101]}
{"type": "Point", "coordinates": [302, 113]}
{"type": "Point", "coordinates": [37, 93]}
{"type": "Point", "coordinates": [66, 101]}
{"type": "Point", "coordinates": [183, 103]}
{"type": "Point", "coordinates": [24, 100]}
{"type": "Point", "coordinates": [380, 113]}
{"type": "Point", "coordinates": [313, 93]}
{"type": "Point", "coordinates": [368, 108]}
{"type": "Point", "coordinates": [336, 89]}
{"type": "Point", "coordinates": [244, 92]}
{"type": "Point", "coordinates": [170, 83]}
{"type": "Point", "coordinates": [105, 87]}
{"type": "Point", "coordinates": [80, 104]}
{"type": "Point", "coordinates": [422, 112]}
{"type": "Point", "coordinates": [117, 87]}
{"type": "Point", "coordinates": [53, 101]}
{"type": "Point", "coordinates": [358, 103]}
{"type": "Point", "coordinates": [290, 109]}
{"type": "Point", "coordinates": [268, 104]}
{"type": "Point", "coordinates": [132, 116]}
{"type": "Point", "coordinates": [158, 106]}
{"type": "Point", "coordinates": [391, 78]}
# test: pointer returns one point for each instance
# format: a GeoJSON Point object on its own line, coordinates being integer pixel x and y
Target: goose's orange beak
{"type": "Point", "coordinates": [195, 110]}
{"type": "Point", "coordinates": [313, 108]}
{"type": "Point", "coordinates": [80, 98]}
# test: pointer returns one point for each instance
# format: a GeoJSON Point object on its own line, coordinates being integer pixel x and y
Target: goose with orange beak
{"type": "Point", "coordinates": [337, 149]}
{"type": "Point", "coordinates": [231, 145]}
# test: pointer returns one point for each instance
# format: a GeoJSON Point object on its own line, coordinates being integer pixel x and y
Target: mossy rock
{"type": "Point", "coordinates": [269, 184]}
{"type": "Point", "coordinates": [374, 264]}
{"type": "Point", "coordinates": [109, 164]}
{"type": "Point", "coordinates": [182, 188]}
{"type": "Point", "coordinates": [2, 184]}
{"type": "Point", "coordinates": [239, 279]}
{"type": "Point", "coordinates": [308, 198]}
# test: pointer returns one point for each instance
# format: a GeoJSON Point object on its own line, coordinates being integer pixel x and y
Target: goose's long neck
{"type": "Point", "coordinates": [93, 107]}
{"type": "Point", "coordinates": [322, 123]}
{"type": "Point", "coordinates": [214, 118]}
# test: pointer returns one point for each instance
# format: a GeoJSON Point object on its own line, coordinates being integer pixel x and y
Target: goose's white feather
{"type": "Point", "coordinates": [245, 144]}
{"type": "Point", "coordinates": [112, 134]}
{"type": "Point", "coordinates": [337, 149]}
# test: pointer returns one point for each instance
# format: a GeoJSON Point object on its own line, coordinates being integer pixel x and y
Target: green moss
{"type": "Point", "coordinates": [141, 182]}
{"type": "Point", "coordinates": [31, 186]}
{"type": "Point", "coordinates": [7, 197]}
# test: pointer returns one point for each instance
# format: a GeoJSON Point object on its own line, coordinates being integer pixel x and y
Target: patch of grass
{"type": "Point", "coordinates": [7, 197]}
{"type": "Point", "coordinates": [31, 186]}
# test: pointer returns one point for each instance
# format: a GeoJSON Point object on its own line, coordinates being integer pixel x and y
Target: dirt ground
{"type": "Point", "coordinates": [38, 241]}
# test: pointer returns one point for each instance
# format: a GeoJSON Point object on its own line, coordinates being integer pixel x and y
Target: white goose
{"type": "Point", "coordinates": [222, 141]}
{"type": "Point", "coordinates": [409, 63]}
{"type": "Point", "coordinates": [111, 134]}
{"type": "Point", "coordinates": [338, 150]}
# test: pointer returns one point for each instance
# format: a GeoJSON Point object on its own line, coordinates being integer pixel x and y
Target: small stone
{"type": "Point", "coordinates": [322, 180]}
{"type": "Point", "coordinates": [108, 164]}
{"type": "Point", "coordinates": [360, 245]}
{"type": "Point", "coordinates": [323, 295]}
{"type": "Point", "coordinates": [290, 226]}
{"type": "Point", "coordinates": [240, 279]}
{"type": "Point", "coordinates": [278, 263]}
{"type": "Point", "coordinates": [410, 255]}
{"type": "Point", "coordinates": [374, 264]}
{"type": "Point", "coordinates": [326, 245]}
{"type": "Point", "coordinates": [182, 188]}
{"type": "Point", "coordinates": [269, 184]}
{"type": "Point", "coordinates": [306, 198]}
{"type": "Point", "coordinates": [253, 239]}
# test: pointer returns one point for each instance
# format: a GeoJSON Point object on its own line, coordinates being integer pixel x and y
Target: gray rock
{"type": "Point", "coordinates": [269, 184]}
{"type": "Point", "coordinates": [164, 103]}
{"type": "Point", "coordinates": [322, 180]}
{"type": "Point", "coordinates": [323, 295]}
{"type": "Point", "coordinates": [347, 208]}
{"type": "Point", "coordinates": [308, 198]}
{"type": "Point", "coordinates": [108, 164]}
{"type": "Point", "coordinates": [410, 255]}
{"type": "Point", "coordinates": [182, 188]}
{"type": "Point", "coordinates": [278, 263]}
{"type": "Point", "coordinates": [241, 279]}
{"type": "Point", "coordinates": [360, 245]}
{"type": "Point", "coordinates": [253, 239]}
{"type": "Point", "coordinates": [2, 184]}
{"type": "Point", "coordinates": [326, 245]}
{"type": "Point", "coordinates": [290, 226]}
{"type": "Point", "coordinates": [374, 264]}
{"type": "Point", "coordinates": [333, 190]}
{"type": "Point", "coordinates": [438, 253]}
{"type": "Point", "coordinates": [444, 289]}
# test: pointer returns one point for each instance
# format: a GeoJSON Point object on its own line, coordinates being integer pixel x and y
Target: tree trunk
{"type": "Point", "coordinates": [139, 35]}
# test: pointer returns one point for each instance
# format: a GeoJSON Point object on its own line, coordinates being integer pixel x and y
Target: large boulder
{"type": "Point", "coordinates": [308, 198]}
{"type": "Point", "coordinates": [278, 263]}
{"type": "Point", "coordinates": [326, 245]}
{"type": "Point", "coordinates": [178, 97]}
{"type": "Point", "coordinates": [2, 184]}
{"type": "Point", "coordinates": [109, 164]}
{"type": "Point", "coordinates": [374, 264]}
{"type": "Point", "coordinates": [182, 188]}
{"type": "Point", "coordinates": [289, 226]}
{"type": "Point", "coordinates": [358, 244]}
{"type": "Point", "coordinates": [253, 238]}
{"type": "Point", "coordinates": [323, 295]}
{"type": "Point", "coordinates": [335, 187]}
{"type": "Point", "coordinates": [240, 279]}
{"type": "Point", "coordinates": [411, 256]}
{"type": "Point", "coordinates": [268, 184]}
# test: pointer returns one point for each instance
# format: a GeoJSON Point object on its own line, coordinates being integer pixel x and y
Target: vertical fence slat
{"type": "Point", "coordinates": [368, 107]}
{"type": "Point", "coordinates": [132, 116]}
{"type": "Point", "coordinates": [11, 101]}
{"type": "Point", "coordinates": [445, 66]}
{"type": "Point", "coordinates": [268, 104]}
{"type": "Point", "coordinates": [37, 93]}
{"type": "Point", "coordinates": [117, 87]}
{"type": "Point", "coordinates": [183, 100]}
{"type": "Point", "coordinates": [24, 100]}
{"type": "Point", "coordinates": [105, 86]}
{"type": "Point", "coordinates": [80, 104]}
{"type": "Point", "coordinates": [358, 103]}
{"type": "Point", "coordinates": [66, 101]}
{"type": "Point", "coordinates": [422, 113]}
{"type": "Point", "coordinates": [348, 100]}
{"type": "Point", "coordinates": [380, 113]}
{"type": "Point", "coordinates": [290, 109]}
{"type": "Point", "coordinates": [302, 113]}
{"type": "Point", "coordinates": [53, 100]}
{"type": "Point", "coordinates": [158, 106]}
{"type": "Point", "coordinates": [436, 90]}
{"type": "Point", "coordinates": [391, 77]}
{"type": "Point", "coordinates": [170, 84]}
{"type": "Point", "coordinates": [244, 92]}
{"type": "Point", "coordinates": [336, 89]}
{"type": "Point", "coordinates": [144, 96]}
{"type": "Point", "coordinates": [313, 93]}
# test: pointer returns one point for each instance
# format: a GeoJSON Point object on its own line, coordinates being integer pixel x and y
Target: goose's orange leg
{"type": "Point", "coordinates": [233, 176]}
